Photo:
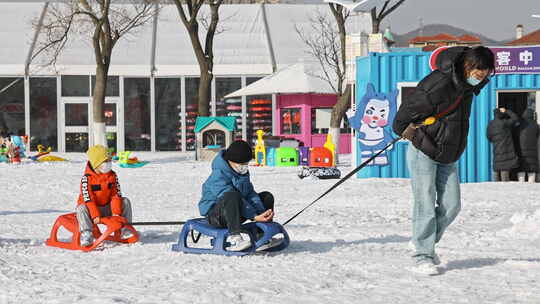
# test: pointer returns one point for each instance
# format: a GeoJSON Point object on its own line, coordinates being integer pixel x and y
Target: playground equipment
{"type": "Point", "coordinates": [286, 157]}
{"type": "Point", "coordinates": [125, 161]}
{"type": "Point", "coordinates": [329, 144]}
{"type": "Point", "coordinates": [260, 150]}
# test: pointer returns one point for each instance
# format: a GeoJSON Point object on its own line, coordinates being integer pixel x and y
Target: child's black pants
{"type": "Point", "coordinates": [227, 210]}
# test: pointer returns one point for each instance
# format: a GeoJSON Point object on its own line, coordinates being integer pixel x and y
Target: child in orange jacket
{"type": "Point", "coordinates": [100, 194]}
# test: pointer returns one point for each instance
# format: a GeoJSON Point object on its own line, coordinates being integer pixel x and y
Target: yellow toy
{"type": "Point", "coordinates": [43, 156]}
{"type": "Point", "coordinates": [51, 158]}
{"type": "Point", "coordinates": [260, 151]}
{"type": "Point", "coordinates": [330, 146]}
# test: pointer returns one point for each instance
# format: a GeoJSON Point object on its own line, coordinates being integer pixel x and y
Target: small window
{"type": "Point", "coordinates": [75, 86]}
{"type": "Point", "coordinates": [113, 86]}
{"type": "Point", "coordinates": [214, 138]}
{"type": "Point", "coordinates": [320, 121]}
{"type": "Point", "coordinates": [76, 114]}
{"type": "Point", "coordinates": [290, 121]}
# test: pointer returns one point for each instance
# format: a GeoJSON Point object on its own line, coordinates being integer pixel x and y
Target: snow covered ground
{"type": "Point", "coordinates": [350, 247]}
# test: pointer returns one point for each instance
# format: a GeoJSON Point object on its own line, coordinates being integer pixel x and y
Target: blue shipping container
{"type": "Point", "coordinates": [388, 71]}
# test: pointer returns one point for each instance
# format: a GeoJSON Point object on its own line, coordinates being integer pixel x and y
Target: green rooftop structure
{"type": "Point", "coordinates": [227, 122]}
{"type": "Point", "coordinates": [213, 133]}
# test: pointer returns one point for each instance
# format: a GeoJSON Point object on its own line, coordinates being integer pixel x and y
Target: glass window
{"type": "Point", "coordinates": [110, 114]}
{"type": "Point", "coordinates": [225, 86]}
{"type": "Point", "coordinates": [168, 120]}
{"type": "Point", "coordinates": [192, 106]}
{"type": "Point", "coordinates": [290, 121]}
{"type": "Point", "coordinates": [75, 86]}
{"type": "Point", "coordinates": [137, 114]}
{"type": "Point", "coordinates": [259, 109]}
{"type": "Point", "coordinates": [231, 106]}
{"type": "Point", "coordinates": [111, 141]}
{"type": "Point", "coordinates": [12, 106]}
{"type": "Point", "coordinates": [76, 114]}
{"type": "Point", "coordinates": [320, 120]}
{"type": "Point", "coordinates": [250, 80]}
{"type": "Point", "coordinates": [345, 126]}
{"type": "Point", "coordinates": [43, 113]}
{"type": "Point", "coordinates": [113, 86]}
{"type": "Point", "coordinates": [76, 142]}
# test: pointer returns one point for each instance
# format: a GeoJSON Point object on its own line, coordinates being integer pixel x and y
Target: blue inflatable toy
{"type": "Point", "coordinates": [219, 236]}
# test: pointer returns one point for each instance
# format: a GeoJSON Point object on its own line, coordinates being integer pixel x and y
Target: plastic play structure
{"type": "Point", "coordinates": [260, 151]}
{"type": "Point", "coordinates": [329, 144]}
{"type": "Point", "coordinates": [125, 161]}
{"type": "Point", "coordinates": [212, 134]}
{"type": "Point", "coordinates": [13, 149]}
{"type": "Point", "coordinates": [43, 155]}
{"type": "Point", "coordinates": [69, 221]}
{"type": "Point", "coordinates": [315, 161]}
{"type": "Point", "coordinates": [218, 237]}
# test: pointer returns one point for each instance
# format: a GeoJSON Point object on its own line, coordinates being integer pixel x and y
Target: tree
{"type": "Point", "coordinates": [104, 25]}
{"type": "Point", "coordinates": [376, 18]}
{"type": "Point", "coordinates": [327, 45]}
{"type": "Point", "coordinates": [189, 14]}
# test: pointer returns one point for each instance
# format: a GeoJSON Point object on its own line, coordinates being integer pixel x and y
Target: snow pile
{"type": "Point", "coordinates": [525, 225]}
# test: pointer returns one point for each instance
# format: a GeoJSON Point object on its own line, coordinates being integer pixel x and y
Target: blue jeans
{"type": "Point", "coordinates": [437, 199]}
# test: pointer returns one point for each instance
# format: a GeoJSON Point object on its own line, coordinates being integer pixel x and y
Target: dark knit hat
{"type": "Point", "coordinates": [238, 152]}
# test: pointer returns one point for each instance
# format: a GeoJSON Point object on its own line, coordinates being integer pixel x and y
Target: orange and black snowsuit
{"type": "Point", "coordinates": [100, 190]}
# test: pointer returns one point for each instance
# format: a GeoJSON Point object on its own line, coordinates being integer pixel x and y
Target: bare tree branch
{"type": "Point", "coordinates": [395, 6]}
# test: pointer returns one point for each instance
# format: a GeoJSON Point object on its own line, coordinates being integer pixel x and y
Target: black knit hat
{"type": "Point", "coordinates": [238, 152]}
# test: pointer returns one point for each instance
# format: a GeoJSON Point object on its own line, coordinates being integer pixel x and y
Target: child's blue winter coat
{"type": "Point", "coordinates": [224, 179]}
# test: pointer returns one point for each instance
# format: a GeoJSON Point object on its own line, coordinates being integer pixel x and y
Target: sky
{"type": "Point", "coordinates": [496, 19]}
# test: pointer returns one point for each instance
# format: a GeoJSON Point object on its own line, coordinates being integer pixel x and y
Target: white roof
{"type": "Point", "coordinates": [358, 5]}
{"type": "Point", "coordinates": [241, 47]}
{"type": "Point", "coordinates": [297, 78]}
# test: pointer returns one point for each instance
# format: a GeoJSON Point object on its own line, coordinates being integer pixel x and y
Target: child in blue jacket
{"type": "Point", "coordinates": [228, 198]}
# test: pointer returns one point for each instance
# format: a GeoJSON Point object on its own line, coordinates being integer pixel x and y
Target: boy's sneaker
{"type": "Point", "coordinates": [87, 238]}
{"type": "Point", "coordinates": [425, 265]}
{"type": "Point", "coordinates": [436, 259]}
{"type": "Point", "coordinates": [273, 242]}
{"type": "Point", "coordinates": [237, 242]}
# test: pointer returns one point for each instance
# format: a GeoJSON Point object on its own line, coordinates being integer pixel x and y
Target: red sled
{"type": "Point", "coordinates": [112, 233]}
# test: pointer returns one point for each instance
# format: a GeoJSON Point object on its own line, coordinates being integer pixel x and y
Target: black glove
{"type": "Point", "coordinates": [409, 132]}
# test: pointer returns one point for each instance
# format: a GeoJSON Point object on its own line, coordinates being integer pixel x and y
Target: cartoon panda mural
{"type": "Point", "coordinates": [372, 120]}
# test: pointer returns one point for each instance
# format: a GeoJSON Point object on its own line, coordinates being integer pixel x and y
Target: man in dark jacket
{"type": "Point", "coordinates": [445, 94]}
{"type": "Point", "coordinates": [499, 133]}
{"type": "Point", "coordinates": [528, 143]}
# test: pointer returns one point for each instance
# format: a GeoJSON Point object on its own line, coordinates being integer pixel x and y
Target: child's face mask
{"type": "Point", "coordinates": [105, 167]}
{"type": "Point", "coordinates": [241, 168]}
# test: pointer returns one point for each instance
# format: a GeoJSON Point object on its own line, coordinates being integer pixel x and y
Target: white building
{"type": "Point", "coordinates": [151, 101]}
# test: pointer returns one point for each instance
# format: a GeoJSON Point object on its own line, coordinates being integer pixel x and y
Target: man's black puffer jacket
{"type": "Point", "coordinates": [446, 139]}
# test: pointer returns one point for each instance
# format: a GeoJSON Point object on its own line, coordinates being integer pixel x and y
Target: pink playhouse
{"type": "Point", "coordinates": [306, 117]}
{"type": "Point", "coordinates": [301, 105]}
